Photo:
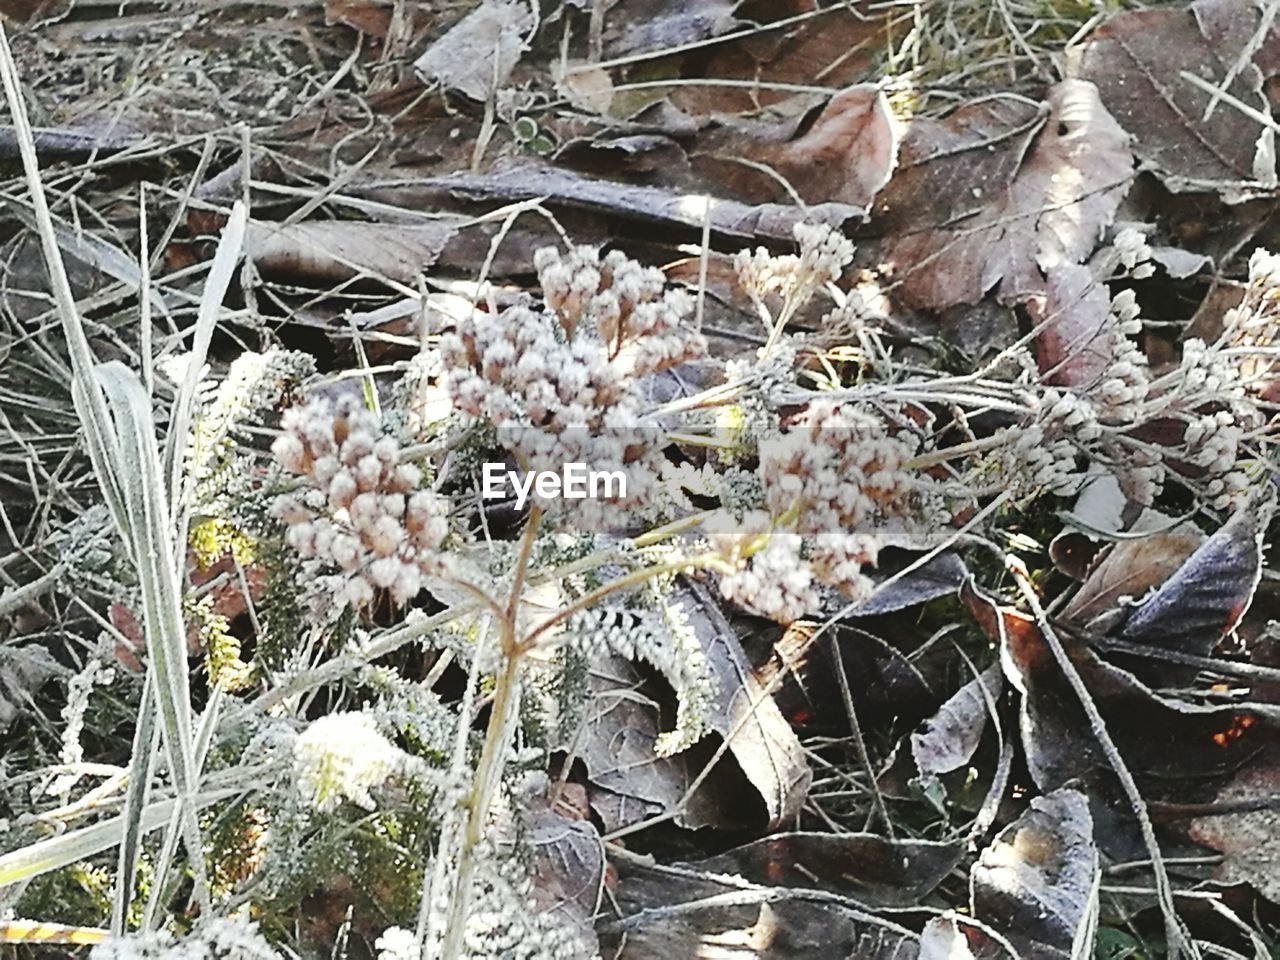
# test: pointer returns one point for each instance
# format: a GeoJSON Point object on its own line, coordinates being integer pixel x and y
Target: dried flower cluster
{"type": "Point", "coordinates": [824, 253]}
{"type": "Point", "coordinates": [361, 513]}
{"type": "Point", "coordinates": [564, 385]}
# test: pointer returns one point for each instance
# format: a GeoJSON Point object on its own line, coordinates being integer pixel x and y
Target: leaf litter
{"type": "Point", "coordinates": [608, 122]}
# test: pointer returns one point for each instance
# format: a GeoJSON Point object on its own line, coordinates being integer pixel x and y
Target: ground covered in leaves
{"type": "Point", "coordinates": [942, 332]}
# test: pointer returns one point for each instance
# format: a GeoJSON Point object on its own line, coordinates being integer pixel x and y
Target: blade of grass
{"type": "Point", "coordinates": [90, 404]}
{"type": "Point", "coordinates": [141, 482]}
{"type": "Point", "coordinates": [76, 845]}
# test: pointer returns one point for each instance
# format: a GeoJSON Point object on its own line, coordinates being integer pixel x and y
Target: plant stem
{"type": "Point", "coordinates": [488, 775]}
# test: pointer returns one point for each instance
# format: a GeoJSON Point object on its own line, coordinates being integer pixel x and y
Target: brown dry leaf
{"type": "Point", "coordinates": [1249, 842]}
{"type": "Point", "coordinates": [617, 739]}
{"type": "Point", "coordinates": [834, 47]}
{"type": "Point", "coordinates": [569, 866]}
{"type": "Point", "coordinates": [478, 54]}
{"type": "Point", "coordinates": [1037, 883]}
{"type": "Point", "coordinates": [330, 251]}
{"type": "Point", "coordinates": [846, 156]}
{"type": "Point", "coordinates": [1075, 311]}
{"type": "Point", "coordinates": [1129, 569]}
{"type": "Point", "coordinates": [999, 191]}
{"type": "Point", "coordinates": [870, 868]}
{"type": "Point", "coordinates": [954, 732]}
{"type": "Point", "coordinates": [1138, 60]}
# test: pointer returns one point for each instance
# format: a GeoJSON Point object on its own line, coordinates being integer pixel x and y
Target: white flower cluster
{"type": "Point", "coordinates": [770, 580]}
{"type": "Point", "coordinates": [1131, 246]}
{"type": "Point", "coordinates": [361, 512]}
{"type": "Point", "coordinates": [666, 641]}
{"type": "Point", "coordinates": [220, 938]}
{"type": "Point", "coordinates": [1124, 384]}
{"type": "Point", "coordinates": [397, 943]}
{"type": "Point", "coordinates": [343, 756]}
{"type": "Point", "coordinates": [779, 574]}
{"type": "Point", "coordinates": [563, 385]}
{"type": "Point", "coordinates": [824, 253]}
{"type": "Point", "coordinates": [838, 469]}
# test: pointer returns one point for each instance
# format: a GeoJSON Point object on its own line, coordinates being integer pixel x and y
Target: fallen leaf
{"type": "Point", "coordinates": [616, 742]}
{"type": "Point", "coordinates": [1037, 883]}
{"type": "Point", "coordinates": [846, 155]}
{"type": "Point", "coordinates": [837, 44]}
{"type": "Point", "coordinates": [1130, 568]}
{"type": "Point", "coordinates": [1139, 61]}
{"type": "Point", "coordinates": [998, 192]}
{"type": "Point", "coordinates": [331, 251]}
{"type": "Point", "coordinates": [1248, 841]}
{"type": "Point", "coordinates": [1074, 317]}
{"type": "Point", "coordinates": [478, 54]}
{"type": "Point", "coordinates": [1211, 591]}
{"type": "Point", "coordinates": [952, 735]}
{"type": "Point", "coordinates": [568, 870]}
{"type": "Point", "coordinates": [653, 26]}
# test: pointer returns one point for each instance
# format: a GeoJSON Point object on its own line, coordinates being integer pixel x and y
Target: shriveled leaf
{"type": "Point", "coordinates": [1211, 591]}
{"type": "Point", "coordinates": [954, 732]}
{"type": "Point", "coordinates": [330, 251]}
{"type": "Point", "coordinates": [998, 192]}
{"type": "Point", "coordinates": [1139, 61]}
{"type": "Point", "coordinates": [1037, 883]}
{"type": "Point", "coordinates": [872, 869]}
{"type": "Point", "coordinates": [1129, 569]}
{"type": "Point", "coordinates": [1249, 841]}
{"type": "Point", "coordinates": [478, 54]}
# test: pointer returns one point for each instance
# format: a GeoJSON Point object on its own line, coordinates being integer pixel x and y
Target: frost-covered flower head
{"type": "Point", "coordinates": [824, 253]}
{"type": "Point", "coordinates": [566, 384]}
{"type": "Point", "coordinates": [341, 757]}
{"type": "Point", "coordinates": [361, 513]}
{"type": "Point", "coordinates": [219, 938]}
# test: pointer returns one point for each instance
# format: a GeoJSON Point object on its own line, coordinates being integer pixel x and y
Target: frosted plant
{"type": "Point", "coordinates": [219, 938]}
{"type": "Point", "coordinates": [664, 639]}
{"type": "Point", "coordinates": [396, 943]}
{"type": "Point", "coordinates": [824, 253]}
{"type": "Point", "coordinates": [565, 384]}
{"type": "Point", "coordinates": [343, 756]}
{"type": "Point", "coordinates": [361, 524]}
{"type": "Point", "coordinates": [1134, 253]}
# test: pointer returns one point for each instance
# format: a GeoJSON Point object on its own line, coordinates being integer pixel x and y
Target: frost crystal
{"type": "Point", "coordinates": [342, 757]}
